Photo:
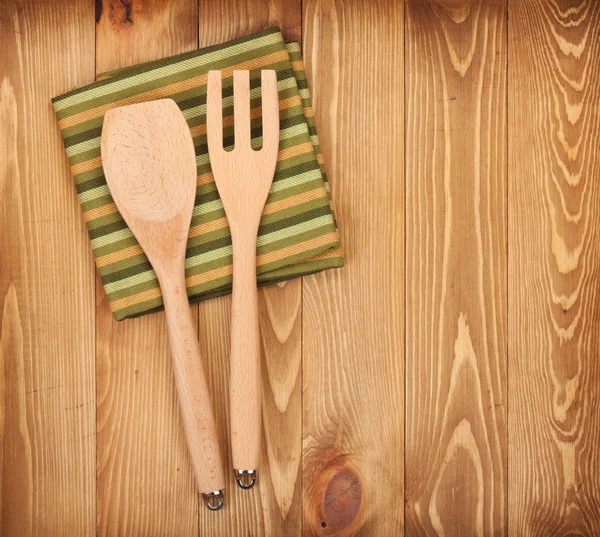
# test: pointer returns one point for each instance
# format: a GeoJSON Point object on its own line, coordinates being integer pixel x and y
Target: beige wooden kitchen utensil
{"type": "Point", "coordinates": [243, 177]}
{"type": "Point", "coordinates": [150, 167]}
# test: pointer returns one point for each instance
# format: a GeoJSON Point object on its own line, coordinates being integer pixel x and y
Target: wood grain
{"type": "Point", "coordinates": [554, 282]}
{"type": "Point", "coordinates": [273, 507]}
{"type": "Point", "coordinates": [47, 424]}
{"type": "Point", "coordinates": [352, 325]}
{"type": "Point", "coordinates": [456, 268]}
{"type": "Point", "coordinates": [222, 20]}
{"type": "Point", "coordinates": [145, 481]}
{"type": "Point", "coordinates": [129, 32]}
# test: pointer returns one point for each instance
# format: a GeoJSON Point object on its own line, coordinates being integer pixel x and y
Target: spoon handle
{"type": "Point", "coordinates": [192, 387]}
{"type": "Point", "coordinates": [245, 375]}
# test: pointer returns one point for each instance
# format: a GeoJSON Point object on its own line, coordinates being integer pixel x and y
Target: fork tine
{"type": "Point", "coordinates": [214, 111]}
{"type": "Point", "coordinates": [241, 108]}
{"type": "Point", "coordinates": [270, 111]}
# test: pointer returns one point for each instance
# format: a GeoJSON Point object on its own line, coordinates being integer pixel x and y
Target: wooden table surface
{"type": "Point", "coordinates": [445, 382]}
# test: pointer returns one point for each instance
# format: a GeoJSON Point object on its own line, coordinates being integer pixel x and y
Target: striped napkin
{"type": "Point", "coordinates": [297, 234]}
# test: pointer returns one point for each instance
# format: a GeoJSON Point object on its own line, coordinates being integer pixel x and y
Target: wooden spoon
{"type": "Point", "coordinates": [243, 177]}
{"type": "Point", "coordinates": [150, 167]}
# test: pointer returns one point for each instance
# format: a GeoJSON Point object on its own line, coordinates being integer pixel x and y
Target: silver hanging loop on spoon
{"type": "Point", "coordinates": [214, 500]}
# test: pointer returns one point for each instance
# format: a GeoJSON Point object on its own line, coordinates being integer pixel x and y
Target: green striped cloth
{"type": "Point", "coordinates": [297, 234]}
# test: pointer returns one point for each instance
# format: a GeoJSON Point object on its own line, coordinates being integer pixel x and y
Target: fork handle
{"type": "Point", "coordinates": [192, 387]}
{"type": "Point", "coordinates": [245, 375]}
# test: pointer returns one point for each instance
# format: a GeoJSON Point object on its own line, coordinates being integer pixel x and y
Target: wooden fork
{"type": "Point", "coordinates": [243, 177]}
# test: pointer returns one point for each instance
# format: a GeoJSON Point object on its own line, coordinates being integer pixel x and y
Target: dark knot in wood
{"type": "Point", "coordinates": [336, 499]}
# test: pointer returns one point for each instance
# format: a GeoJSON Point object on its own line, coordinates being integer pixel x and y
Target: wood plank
{"type": "Point", "coordinates": [145, 481]}
{"type": "Point", "coordinates": [274, 507]}
{"type": "Point", "coordinates": [554, 254]}
{"type": "Point", "coordinates": [456, 268]}
{"type": "Point", "coordinates": [221, 20]}
{"type": "Point", "coordinates": [47, 411]}
{"type": "Point", "coordinates": [352, 324]}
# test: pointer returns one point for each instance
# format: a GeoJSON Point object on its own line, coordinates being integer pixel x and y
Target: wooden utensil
{"type": "Point", "coordinates": [243, 177]}
{"type": "Point", "coordinates": [150, 167]}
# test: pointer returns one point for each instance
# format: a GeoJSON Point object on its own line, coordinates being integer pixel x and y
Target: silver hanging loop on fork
{"type": "Point", "coordinates": [245, 478]}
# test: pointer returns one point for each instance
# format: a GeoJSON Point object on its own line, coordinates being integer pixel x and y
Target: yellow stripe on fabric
{"type": "Point", "coordinates": [277, 255]}
{"type": "Point", "coordinates": [154, 74]}
{"type": "Point", "coordinates": [171, 89]}
{"type": "Point", "coordinates": [91, 164]}
{"type": "Point", "coordinates": [98, 212]}
{"type": "Point", "coordinates": [205, 179]}
{"type": "Point", "coordinates": [119, 255]}
{"type": "Point", "coordinates": [135, 299]}
{"type": "Point", "coordinates": [215, 274]}
{"type": "Point", "coordinates": [295, 150]}
{"type": "Point", "coordinates": [327, 254]}
{"type": "Point", "coordinates": [207, 227]}
{"type": "Point", "coordinates": [292, 201]}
